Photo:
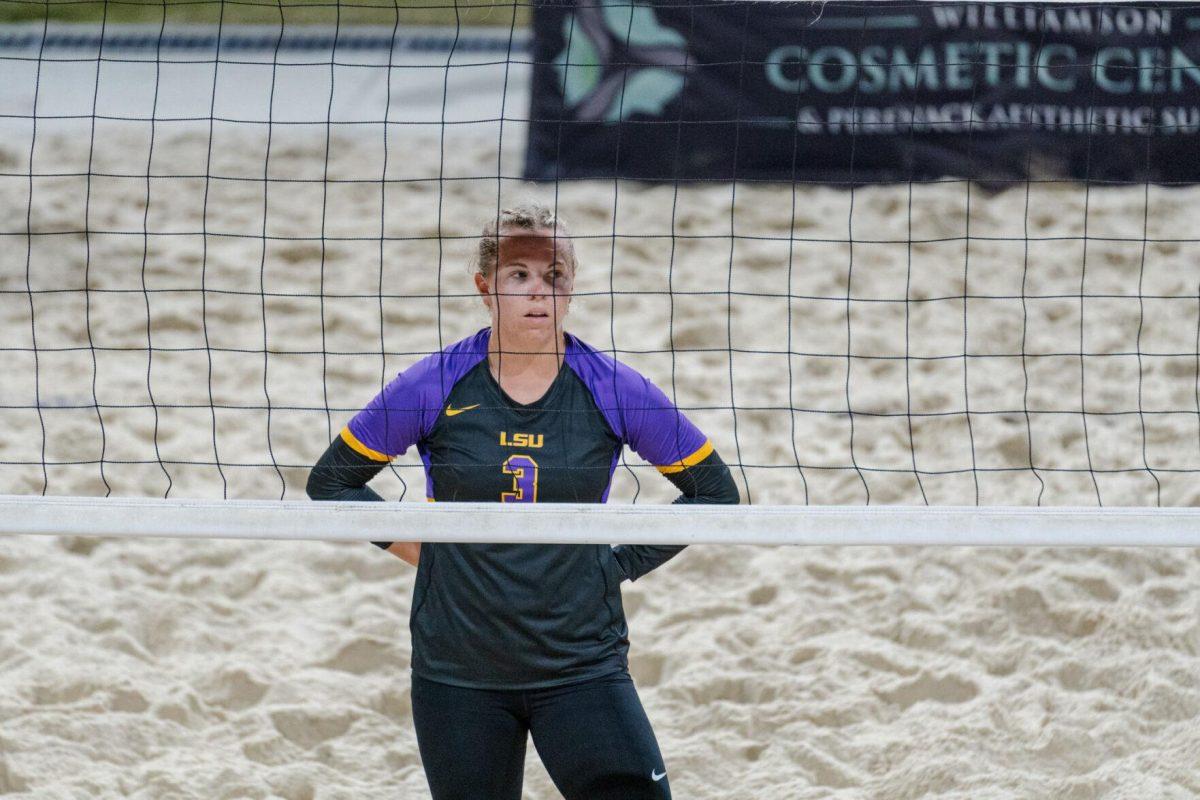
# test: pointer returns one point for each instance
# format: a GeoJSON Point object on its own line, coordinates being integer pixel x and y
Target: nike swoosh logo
{"type": "Point", "coordinates": [654, 776]}
{"type": "Point", "coordinates": [450, 412]}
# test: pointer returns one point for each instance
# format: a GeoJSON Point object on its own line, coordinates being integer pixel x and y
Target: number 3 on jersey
{"type": "Point", "coordinates": [524, 471]}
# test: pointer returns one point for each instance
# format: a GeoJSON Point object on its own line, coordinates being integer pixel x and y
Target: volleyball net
{"type": "Point", "coordinates": [228, 224]}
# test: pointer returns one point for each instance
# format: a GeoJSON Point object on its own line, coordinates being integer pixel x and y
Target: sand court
{"type": "Point", "coordinates": [231, 325]}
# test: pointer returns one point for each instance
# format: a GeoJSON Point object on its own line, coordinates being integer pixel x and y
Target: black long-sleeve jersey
{"type": "Point", "coordinates": [520, 616]}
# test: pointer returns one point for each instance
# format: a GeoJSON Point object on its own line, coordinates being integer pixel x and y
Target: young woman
{"type": "Point", "coordinates": [516, 639]}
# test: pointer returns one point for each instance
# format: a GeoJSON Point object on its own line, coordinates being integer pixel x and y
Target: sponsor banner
{"type": "Point", "coordinates": [865, 91]}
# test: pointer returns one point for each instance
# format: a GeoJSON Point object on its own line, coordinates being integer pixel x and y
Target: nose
{"type": "Point", "coordinates": [540, 288]}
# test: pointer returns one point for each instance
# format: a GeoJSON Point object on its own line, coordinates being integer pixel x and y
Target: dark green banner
{"type": "Point", "coordinates": [865, 91]}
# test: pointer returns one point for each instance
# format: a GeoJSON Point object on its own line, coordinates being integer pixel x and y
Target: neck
{"type": "Point", "coordinates": [518, 353]}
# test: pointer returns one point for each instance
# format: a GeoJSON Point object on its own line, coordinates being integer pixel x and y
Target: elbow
{"type": "Point", "coordinates": [313, 488]}
{"type": "Point", "coordinates": [727, 491]}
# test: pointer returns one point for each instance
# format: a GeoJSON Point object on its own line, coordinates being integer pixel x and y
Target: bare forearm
{"type": "Point", "coordinates": [409, 552]}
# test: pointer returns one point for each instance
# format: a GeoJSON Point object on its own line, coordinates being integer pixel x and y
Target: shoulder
{"type": "Point", "coordinates": [601, 371]}
{"type": "Point", "coordinates": [443, 369]}
{"type": "Point", "coordinates": [408, 407]}
{"type": "Point", "coordinates": [629, 401]}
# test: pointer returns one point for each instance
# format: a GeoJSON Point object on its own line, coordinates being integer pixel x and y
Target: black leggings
{"type": "Point", "coordinates": [593, 737]}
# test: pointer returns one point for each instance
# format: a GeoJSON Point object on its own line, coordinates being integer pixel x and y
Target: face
{"type": "Point", "coordinates": [530, 291]}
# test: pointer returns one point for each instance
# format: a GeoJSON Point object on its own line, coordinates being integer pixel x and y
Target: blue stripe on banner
{"type": "Point", "coordinates": [421, 43]}
{"type": "Point", "coordinates": [877, 22]}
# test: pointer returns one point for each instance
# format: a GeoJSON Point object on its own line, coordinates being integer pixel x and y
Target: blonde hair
{"type": "Point", "coordinates": [528, 216]}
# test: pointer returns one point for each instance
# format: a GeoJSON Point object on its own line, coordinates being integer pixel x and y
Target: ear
{"type": "Point", "coordinates": [481, 285]}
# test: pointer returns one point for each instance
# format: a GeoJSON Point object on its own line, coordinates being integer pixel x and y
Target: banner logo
{"type": "Point", "coordinates": [618, 60]}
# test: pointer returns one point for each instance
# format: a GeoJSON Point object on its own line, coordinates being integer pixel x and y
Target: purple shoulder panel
{"type": "Point", "coordinates": [638, 412]}
{"type": "Point", "coordinates": [407, 408]}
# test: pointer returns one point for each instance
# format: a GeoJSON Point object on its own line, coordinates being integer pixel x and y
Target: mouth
{"type": "Point", "coordinates": [537, 315]}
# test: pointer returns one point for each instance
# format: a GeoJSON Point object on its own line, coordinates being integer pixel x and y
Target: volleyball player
{"type": "Point", "coordinates": [516, 639]}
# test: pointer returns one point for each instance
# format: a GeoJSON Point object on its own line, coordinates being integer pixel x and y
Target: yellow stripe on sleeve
{"type": "Point", "coordinates": [358, 447]}
{"type": "Point", "coordinates": [691, 461]}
